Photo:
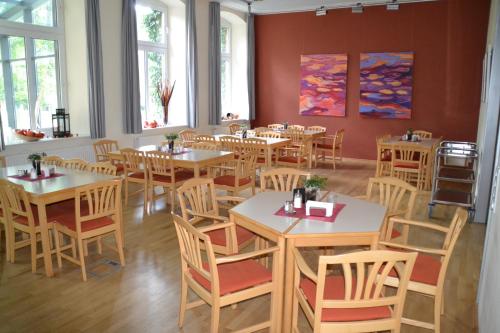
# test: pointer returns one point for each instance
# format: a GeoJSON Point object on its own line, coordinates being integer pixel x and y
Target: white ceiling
{"type": "Point", "coordinates": [286, 6]}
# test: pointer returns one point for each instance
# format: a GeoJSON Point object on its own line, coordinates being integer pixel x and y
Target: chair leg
{"type": "Point", "coordinates": [33, 252]}
{"type": "Point", "coordinates": [82, 259]}
{"type": "Point", "coordinates": [214, 326]}
{"type": "Point", "coordinates": [85, 247]}
{"type": "Point", "coordinates": [437, 314]}
{"type": "Point", "coordinates": [119, 246]}
{"type": "Point", "coordinates": [12, 246]}
{"type": "Point", "coordinates": [73, 247]}
{"type": "Point", "coordinates": [295, 312]}
{"type": "Point", "coordinates": [146, 197]}
{"type": "Point", "coordinates": [442, 304]}
{"type": "Point", "coordinates": [99, 244]}
{"type": "Point", "coordinates": [126, 191]}
{"type": "Point", "coordinates": [182, 307]}
{"type": "Point", "coordinates": [58, 247]}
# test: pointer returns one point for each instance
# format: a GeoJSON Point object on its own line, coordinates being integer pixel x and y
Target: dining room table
{"type": "Point", "coordinates": [44, 191]}
{"type": "Point", "coordinates": [356, 222]}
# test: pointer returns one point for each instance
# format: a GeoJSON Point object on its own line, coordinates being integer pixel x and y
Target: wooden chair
{"type": "Point", "coordinates": [161, 172]}
{"type": "Point", "coordinates": [317, 128]}
{"type": "Point", "coordinates": [75, 164]}
{"type": "Point", "coordinates": [330, 149]}
{"type": "Point", "coordinates": [187, 137]}
{"type": "Point", "coordinates": [276, 126]}
{"type": "Point", "coordinates": [259, 130]}
{"type": "Point", "coordinates": [429, 273]}
{"type": "Point", "coordinates": [423, 134]}
{"type": "Point", "coordinates": [135, 172]}
{"type": "Point", "coordinates": [103, 147]}
{"type": "Point", "coordinates": [296, 153]}
{"type": "Point", "coordinates": [5, 227]}
{"type": "Point", "coordinates": [269, 134]}
{"type": "Point", "coordinates": [199, 203]}
{"type": "Point", "coordinates": [53, 160]}
{"type": "Point", "coordinates": [21, 216]}
{"type": "Point", "coordinates": [409, 163]}
{"type": "Point", "coordinates": [353, 301]}
{"type": "Point", "coordinates": [397, 196]}
{"type": "Point", "coordinates": [3, 162]}
{"type": "Point", "coordinates": [105, 168]}
{"type": "Point", "coordinates": [296, 127]}
{"type": "Point", "coordinates": [204, 146]}
{"type": "Point", "coordinates": [216, 281]}
{"type": "Point", "coordinates": [233, 128]}
{"type": "Point", "coordinates": [205, 138]}
{"type": "Point", "coordinates": [283, 179]}
{"type": "Point", "coordinates": [237, 175]}
{"type": "Point", "coordinates": [384, 156]}
{"type": "Point", "coordinates": [230, 143]}
{"type": "Point", "coordinates": [96, 213]}
{"type": "Point", "coordinates": [257, 147]}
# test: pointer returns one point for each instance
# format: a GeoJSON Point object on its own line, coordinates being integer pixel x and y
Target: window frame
{"type": "Point", "coordinates": [227, 56]}
{"type": "Point", "coordinates": [147, 46]}
{"type": "Point", "coordinates": [29, 32]}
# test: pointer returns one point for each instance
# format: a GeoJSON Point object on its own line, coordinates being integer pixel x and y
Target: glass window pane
{"type": "Point", "coordinates": [150, 24]}
{"type": "Point", "coordinates": [224, 40]}
{"type": "Point", "coordinates": [43, 14]}
{"type": "Point", "coordinates": [16, 47]}
{"type": "Point", "coordinates": [46, 79]}
{"type": "Point", "coordinates": [142, 85]}
{"type": "Point", "coordinates": [44, 47]}
{"type": "Point", "coordinates": [20, 87]}
{"type": "Point", "coordinates": [156, 70]}
{"type": "Point", "coordinates": [40, 12]}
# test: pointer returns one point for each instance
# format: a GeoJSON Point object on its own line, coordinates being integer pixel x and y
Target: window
{"type": "Point", "coordinates": [152, 40]}
{"type": "Point", "coordinates": [30, 73]}
{"type": "Point", "coordinates": [225, 64]}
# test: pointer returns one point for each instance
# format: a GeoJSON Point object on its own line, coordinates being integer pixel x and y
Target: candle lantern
{"type": "Point", "coordinates": [60, 124]}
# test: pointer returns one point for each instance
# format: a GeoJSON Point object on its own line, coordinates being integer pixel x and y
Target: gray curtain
{"type": "Point", "coordinates": [251, 64]}
{"type": "Point", "coordinates": [130, 70]}
{"type": "Point", "coordinates": [191, 64]}
{"type": "Point", "coordinates": [96, 85]}
{"type": "Point", "coordinates": [2, 141]}
{"type": "Point", "coordinates": [214, 55]}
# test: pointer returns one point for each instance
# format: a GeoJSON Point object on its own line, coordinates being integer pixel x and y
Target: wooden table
{"type": "Point", "coordinates": [358, 223]}
{"type": "Point", "coordinates": [309, 137]}
{"type": "Point", "coordinates": [44, 192]}
{"type": "Point", "coordinates": [271, 144]}
{"type": "Point", "coordinates": [190, 159]}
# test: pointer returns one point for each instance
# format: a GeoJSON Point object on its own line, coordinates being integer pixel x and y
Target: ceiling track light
{"type": "Point", "coordinates": [321, 11]}
{"type": "Point", "coordinates": [358, 8]}
{"type": "Point", "coordinates": [392, 5]}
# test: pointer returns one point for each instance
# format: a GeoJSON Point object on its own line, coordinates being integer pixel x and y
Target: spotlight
{"type": "Point", "coordinates": [393, 5]}
{"type": "Point", "coordinates": [321, 11]}
{"type": "Point", "coordinates": [358, 8]}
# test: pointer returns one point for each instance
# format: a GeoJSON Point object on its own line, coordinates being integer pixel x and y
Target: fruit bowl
{"type": "Point", "coordinates": [28, 135]}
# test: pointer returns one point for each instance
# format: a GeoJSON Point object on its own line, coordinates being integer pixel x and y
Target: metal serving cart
{"type": "Point", "coordinates": [454, 176]}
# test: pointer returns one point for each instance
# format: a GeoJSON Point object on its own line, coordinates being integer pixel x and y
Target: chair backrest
{"type": "Point", "coordinates": [283, 179]}
{"type": "Point", "coordinates": [52, 160]}
{"type": "Point", "coordinates": [295, 135]}
{"type": "Point", "coordinates": [317, 128]}
{"type": "Point", "coordinates": [104, 168]}
{"type": "Point", "coordinates": [75, 164]}
{"type": "Point", "coordinates": [233, 128]}
{"type": "Point", "coordinates": [339, 138]}
{"type": "Point", "coordinates": [16, 202]}
{"type": "Point", "coordinates": [276, 126]}
{"type": "Point", "coordinates": [393, 193]}
{"type": "Point", "coordinates": [246, 167]}
{"type": "Point", "coordinates": [364, 274]}
{"type": "Point", "coordinates": [103, 147]}
{"type": "Point", "coordinates": [135, 160]}
{"type": "Point", "coordinates": [269, 134]}
{"type": "Point", "coordinates": [383, 148]}
{"type": "Point", "coordinates": [160, 163]}
{"type": "Point", "coordinates": [205, 138]}
{"type": "Point", "coordinates": [254, 146]}
{"type": "Point", "coordinates": [230, 143]}
{"type": "Point", "coordinates": [197, 195]}
{"type": "Point", "coordinates": [102, 199]}
{"type": "Point", "coordinates": [204, 146]}
{"type": "Point", "coordinates": [260, 129]}
{"type": "Point", "coordinates": [297, 127]}
{"type": "Point", "coordinates": [423, 134]}
{"type": "Point", "coordinates": [194, 246]}
{"type": "Point", "coordinates": [187, 137]}
{"type": "Point", "coordinates": [409, 153]}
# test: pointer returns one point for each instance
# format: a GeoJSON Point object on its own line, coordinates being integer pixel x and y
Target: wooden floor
{"type": "Point", "coordinates": [144, 295]}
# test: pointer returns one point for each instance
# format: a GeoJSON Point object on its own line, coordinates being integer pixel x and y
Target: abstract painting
{"type": "Point", "coordinates": [323, 80]}
{"type": "Point", "coordinates": [386, 84]}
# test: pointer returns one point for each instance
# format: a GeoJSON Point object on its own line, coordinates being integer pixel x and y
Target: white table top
{"type": "Point", "coordinates": [424, 143]}
{"type": "Point", "coordinates": [194, 155]}
{"type": "Point", "coordinates": [358, 216]}
{"type": "Point", "coordinates": [269, 141]}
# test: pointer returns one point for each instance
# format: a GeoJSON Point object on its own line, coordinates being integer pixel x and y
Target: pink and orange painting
{"type": "Point", "coordinates": [323, 84]}
{"type": "Point", "coordinates": [386, 84]}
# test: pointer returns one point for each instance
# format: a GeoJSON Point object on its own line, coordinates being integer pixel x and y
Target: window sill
{"type": "Point", "coordinates": [162, 130]}
{"type": "Point", "coordinates": [47, 142]}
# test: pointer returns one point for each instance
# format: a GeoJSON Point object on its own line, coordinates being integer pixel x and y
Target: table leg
{"type": "Point", "coordinates": [44, 233]}
{"type": "Point", "coordinates": [309, 159]}
{"type": "Point", "coordinates": [196, 171]}
{"type": "Point", "coordinates": [374, 242]}
{"type": "Point", "coordinates": [269, 161]}
{"type": "Point", "coordinates": [288, 289]}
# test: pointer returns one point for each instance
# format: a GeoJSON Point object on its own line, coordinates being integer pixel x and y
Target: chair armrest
{"type": "Point", "coordinates": [216, 226]}
{"type": "Point", "coordinates": [244, 256]}
{"type": "Point", "coordinates": [303, 266]}
{"type": "Point", "coordinates": [429, 225]}
{"type": "Point", "coordinates": [414, 248]}
{"type": "Point", "coordinates": [230, 198]}
{"type": "Point", "coordinates": [208, 216]}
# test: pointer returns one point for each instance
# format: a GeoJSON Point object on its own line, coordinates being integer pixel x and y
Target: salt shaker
{"type": "Point", "coordinates": [297, 200]}
{"type": "Point", "coordinates": [33, 174]}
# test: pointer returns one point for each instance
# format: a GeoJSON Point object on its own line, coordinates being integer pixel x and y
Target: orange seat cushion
{"type": "Point", "coordinates": [261, 160]}
{"type": "Point", "coordinates": [291, 159]}
{"type": "Point", "coordinates": [51, 211]}
{"type": "Point", "coordinates": [236, 276]}
{"type": "Point", "coordinates": [334, 290]}
{"type": "Point", "coordinates": [218, 237]}
{"type": "Point", "coordinates": [324, 146]}
{"type": "Point", "coordinates": [139, 175]}
{"type": "Point", "coordinates": [180, 176]}
{"type": "Point", "coordinates": [119, 167]}
{"type": "Point", "coordinates": [229, 180]}
{"type": "Point", "coordinates": [426, 269]}
{"type": "Point", "coordinates": [407, 165]}
{"type": "Point", "coordinates": [395, 233]}
{"type": "Point", "coordinates": [65, 215]}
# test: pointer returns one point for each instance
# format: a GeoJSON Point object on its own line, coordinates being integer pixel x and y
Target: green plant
{"type": "Point", "coordinates": [409, 131]}
{"type": "Point", "coordinates": [171, 136]}
{"type": "Point", "coordinates": [316, 182]}
{"type": "Point", "coordinates": [36, 156]}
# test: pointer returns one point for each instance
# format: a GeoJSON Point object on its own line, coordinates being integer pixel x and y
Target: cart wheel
{"type": "Point", "coordinates": [431, 206]}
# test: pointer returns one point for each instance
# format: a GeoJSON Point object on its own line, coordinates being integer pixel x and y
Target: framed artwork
{"type": "Point", "coordinates": [386, 85]}
{"type": "Point", "coordinates": [323, 82]}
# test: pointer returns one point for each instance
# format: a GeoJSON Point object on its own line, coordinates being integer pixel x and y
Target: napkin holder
{"type": "Point", "coordinates": [327, 206]}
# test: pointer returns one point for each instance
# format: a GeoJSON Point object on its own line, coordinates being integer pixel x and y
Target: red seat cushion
{"type": "Point", "coordinates": [324, 146]}
{"type": "Point", "coordinates": [291, 159]}
{"type": "Point", "coordinates": [407, 165]}
{"type": "Point", "coordinates": [426, 269]}
{"type": "Point", "coordinates": [65, 215]}
{"type": "Point", "coordinates": [395, 233]}
{"type": "Point", "coordinates": [261, 160]}
{"type": "Point", "coordinates": [229, 180]}
{"type": "Point", "coordinates": [139, 175]}
{"type": "Point", "coordinates": [334, 290]}
{"type": "Point", "coordinates": [51, 211]}
{"type": "Point", "coordinates": [218, 237]}
{"type": "Point", "coordinates": [119, 167]}
{"type": "Point", "coordinates": [236, 276]}
{"type": "Point", "coordinates": [179, 176]}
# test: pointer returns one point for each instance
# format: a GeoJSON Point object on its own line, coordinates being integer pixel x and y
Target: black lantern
{"type": "Point", "coordinates": [60, 124]}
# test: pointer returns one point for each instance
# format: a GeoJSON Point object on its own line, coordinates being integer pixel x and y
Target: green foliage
{"type": "Point", "coordinates": [36, 156]}
{"type": "Point", "coordinates": [171, 136]}
{"type": "Point", "coordinates": [316, 182]}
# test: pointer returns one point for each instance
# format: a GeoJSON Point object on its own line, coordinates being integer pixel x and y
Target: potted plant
{"type": "Point", "coordinates": [36, 160]}
{"type": "Point", "coordinates": [171, 137]}
{"type": "Point", "coordinates": [313, 185]}
{"type": "Point", "coordinates": [409, 134]}
{"type": "Point", "coordinates": [165, 92]}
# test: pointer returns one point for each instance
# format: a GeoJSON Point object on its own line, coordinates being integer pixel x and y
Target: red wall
{"type": "Point", "coordinates": [447, 36]}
